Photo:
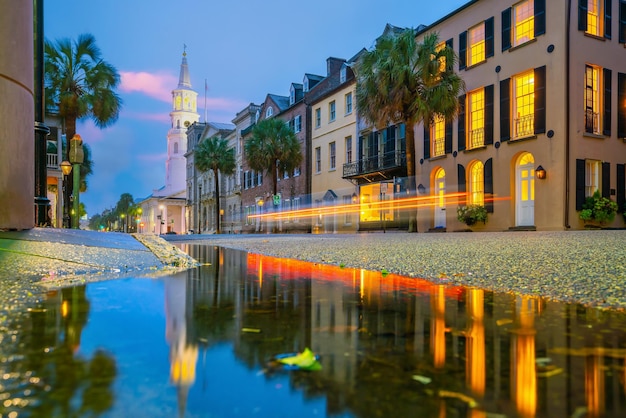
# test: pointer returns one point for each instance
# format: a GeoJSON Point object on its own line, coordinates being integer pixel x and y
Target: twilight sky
{"type": "Point", "coordinates": [244, 49]}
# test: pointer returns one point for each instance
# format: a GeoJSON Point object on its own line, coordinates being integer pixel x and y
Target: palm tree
{"type": "Point", "coordinates": [80, 84]}
{"type": "Point", "coordinates": [213, 154]}
{"type": "Point", "coordinates": [273, 149]}
{"type": "Point", "coordinates": [402, 80]}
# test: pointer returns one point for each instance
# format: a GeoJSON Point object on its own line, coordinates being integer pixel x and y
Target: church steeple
{"type": "Point", "coordinates": [184, 80]}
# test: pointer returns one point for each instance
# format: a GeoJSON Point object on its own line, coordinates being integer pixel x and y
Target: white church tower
{"type": "Point", "coordinates": [183, 114]}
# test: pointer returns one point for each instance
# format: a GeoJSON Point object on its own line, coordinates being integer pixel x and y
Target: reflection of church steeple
{"type": "Point", "coordinates": [183, 355]}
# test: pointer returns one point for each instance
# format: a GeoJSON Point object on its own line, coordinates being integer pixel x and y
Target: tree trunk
{"type": "Point", "coordinates": [410, 172]}
{"type": "Point", "coordinates": [217, 201]}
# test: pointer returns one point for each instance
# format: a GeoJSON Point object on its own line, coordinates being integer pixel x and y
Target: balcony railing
{"type": "Point", "coordinates": [524, 126]}
{"type": "Point", "coordinates": [476, 138]}
{"type": "Point", "coordinates": [52, 160]}
{"type": "Point", "coordinates": [379, 162]}
{"type": "Point", "coordinates": [592, 122]}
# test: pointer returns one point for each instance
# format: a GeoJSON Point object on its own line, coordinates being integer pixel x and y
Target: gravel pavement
{"type": "Point", "coordinates": [588, 267]}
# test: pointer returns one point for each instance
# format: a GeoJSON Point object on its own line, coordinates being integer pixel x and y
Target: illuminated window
{"type": "Point", "coordinates": [318, 160]}
{"type": "Point", "coordinates": [476, 104]}
{"type": "Point", "coordinates": [477, 184]}
{"type": "Point", "coordinates": [592, 99]}
{"type": "Point", "coordinates": [524, 104]}
{"type": "Point", "coordinates": [593, 17]}
{"type": "Point", "coordinates": [476, 47]}
{"type": "Point", "coordinates": [332, 155]}
{"type": "Point", "coordinates": [524, 26]}
{"type": "Point", "coordinates": [442, 60]}
{"type": "Point", "coordinates": [593, 171]}
{"type": "Point", "coordinates": [438, 135]}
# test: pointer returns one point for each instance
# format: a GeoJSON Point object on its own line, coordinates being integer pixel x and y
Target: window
{"type": "Point", "coordinates": [442, 60]}
{"type": "Point", "coordinates": [269, 112]}
{"type": "Point", "coordinates": [292, 95]}
{"type": "Point", "coordinates": [592, 99]}
{"type": "Point", "coordinates": [175, 147]}
{"type": "Point", "coordinates": [297, 124]}
{"type": "Point", "coordinates": [342, 74]}
{"type": "Point", "coordinates": [259, 178]}
{"type": "Point", "coordinates": [476, 105]}
{"type": "Point", "coordinates": [593, 176]}
{"type": "Point", "coordinates": [524, 22]}
{"type": "Point", "coordinates": [593, 17]}
{"type": "Point", "coordinates": [438, 135]}
{"type": "Point", "coordinates": [295, 205]}
{"type": "Point", "coordinates": [331, 111]}
{"type": "Point", "coordinates": [332, 155]}
{"type": "Point", "coordinates": [318, 117]}
{"type": "Point", "coordinates": [476, 184]}
{"type": "Point", "coordinates": [318, 160]}
{"type": "Point", "coordinates": [476, 47]}
{"type": "Point", "coordinates": [296, 171]}
{"type": "Point", "coordinates": [347, 201]}
{"type": "Point", "coordinates": [348, 149]}
{"type": "Point", "coordinates": [524, 104]}
{"type": "Point", "coordinates": [348, 103]}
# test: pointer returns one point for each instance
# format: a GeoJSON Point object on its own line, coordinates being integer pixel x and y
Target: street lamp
{"type": "Point", "coordinates": [66, 169]}
{"type": "Point", "coordinates": [76, 158]}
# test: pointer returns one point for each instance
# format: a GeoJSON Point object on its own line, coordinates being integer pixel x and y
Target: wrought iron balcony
{"type": "Point", "coordinates": [390, 161]}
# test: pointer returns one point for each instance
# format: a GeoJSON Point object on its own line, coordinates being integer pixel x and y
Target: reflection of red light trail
{"type": "Point", "coordinates": [393, 204]}
{"type": "Point", "coordinates": [262, 266]}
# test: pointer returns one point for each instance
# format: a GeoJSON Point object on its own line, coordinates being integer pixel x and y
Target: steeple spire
{"type": "Point", "coordinates": [183, 80]}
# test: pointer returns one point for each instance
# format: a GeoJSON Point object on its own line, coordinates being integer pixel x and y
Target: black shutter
{"type": "Point", "coordinates": [540, 100]}
{"type": "Point", "coordinates": [450, 43]}
{"type": "Point", "coordinates": [506, 29]}
{"type": "Point", "coordinates": [621, 188]}
{"type": "Point", "coordinates": [622, 21]}
{"type": "Point", "coordinates": [489, 114]}
{"type": "Point", "coordinates": [621, 110]}
{"type": "Point", "coordinates": [505, 110]}
{"type": "Point", "coordinates": [461, 122]}
{"type": "Point", "coordinates": [606, 122]}
{"type": "Point", "coordinates": [582, 15]}
{"type": "Point", "coordinates": [461, 183]}
{"type": "Point", "coordinates": [489, 37]}
{"type": "Point", "coordinates": [606, 180]}
{"type": "Point", "coordinates": [426, 139]}
{"type": "Point", "coordinates": [488, 187]}
{"type": "Point", "coordinates": [580, 184]}
{"type": "Point", "coordinates": [607, 18]}
{"type": "Point", "coordinates": [448, 136]}
{"type": "Point", "coordinates": [540, 17]}
{"type": "Point", "coordinates": [462, 50]}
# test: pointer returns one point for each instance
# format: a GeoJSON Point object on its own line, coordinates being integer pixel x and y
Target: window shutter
{"type": "Point", "coordinates": [462, 50]}
{"type": "Point", "coordinates": [426, 139]}
{"type": "Point", "coordinates": [489, 37]}
{"type": "Point", "coordinates": [461, 183]}
{"type": "Point", "coordinates": [505, 110]}
{"type": "Point", "coordinates": [621, 188]}
{"type": "Point", "coordinates": [489, 114]}
{"type": "Point", "coordinates": [506, 29]}
{"type": "Point", "coordinates": [449, 43]}
{"type": "Point", "coordinates": [488, 179]}
{"type": "Point", "coordinates": [580, 184]}
{"type": "Point", "coordinates": [622, 21]}
{"type": "Point", "coordinates": [606, 180]}
{"type": "Point", "coordinates": [621, 110]}
{"type": "Point", "coordinates": [448, 144]}
{"type": "Point", "coordinates": [582, 15]}
{"type": "Point", "coordinates": [607, 18]}
{"type": "Point", "coordinates": [606, 122]}
{"type": "Point", "coordinates": [540, 17]}
{"type": "Point", "coordinates": [461, 122]}
{"type": "Point", "coordinates": [540, 100]}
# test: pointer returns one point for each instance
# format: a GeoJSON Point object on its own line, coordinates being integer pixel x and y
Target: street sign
{"type": "Point", "coordinates": [276, 199]}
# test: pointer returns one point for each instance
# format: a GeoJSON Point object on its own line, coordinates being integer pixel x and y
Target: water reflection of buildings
{"type": "Point", "coordinates": [375, 332]}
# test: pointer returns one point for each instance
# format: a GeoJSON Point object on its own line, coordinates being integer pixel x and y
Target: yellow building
{"type": "Point", "coordinates": [542, 124]}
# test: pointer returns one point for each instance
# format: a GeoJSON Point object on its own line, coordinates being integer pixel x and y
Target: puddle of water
{"type": "Point", "coordinates": [199, 344]}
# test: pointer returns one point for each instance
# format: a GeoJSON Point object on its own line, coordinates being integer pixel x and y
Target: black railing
{"type": "Point", "coordinates": [381, 162]}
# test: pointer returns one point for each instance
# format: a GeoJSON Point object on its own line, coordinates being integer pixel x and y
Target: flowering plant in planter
{"type": "Point", "coordinates": [471, 214]}
{"type": "Point", "coordinates": [598, 209]}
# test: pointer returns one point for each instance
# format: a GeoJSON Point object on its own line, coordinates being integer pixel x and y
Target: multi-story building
{"type": "Point", "coordinates": [293, 188]}
{"type": "Point", "coordinates": [542, 124]}
{"type": "Point", "coordinates": [333, 144]}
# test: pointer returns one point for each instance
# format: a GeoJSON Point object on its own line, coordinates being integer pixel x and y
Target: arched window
{"type": "Point", "coordinates": [269, 112]}
{"type": "Point", "coordinates": [477, 184]}
{"type": "Point", "coordinates": [175, 147]}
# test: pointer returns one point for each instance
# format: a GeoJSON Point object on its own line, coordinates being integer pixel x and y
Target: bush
{"type": "Point", "coordinates": [598, 209]}
{"type": "Point", "coordinates": [471, 214]}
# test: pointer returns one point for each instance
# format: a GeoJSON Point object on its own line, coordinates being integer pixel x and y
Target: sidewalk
{"type": "Point", "coordinates": [49, 254]}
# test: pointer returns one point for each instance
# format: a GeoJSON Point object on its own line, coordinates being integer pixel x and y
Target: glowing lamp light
{"type": "Point", "coordinates": [66, 168]}
{"type": "Point", "coordinates": [540, 172]}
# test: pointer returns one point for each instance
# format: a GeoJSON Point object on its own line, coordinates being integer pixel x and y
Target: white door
{"type": "Point", "coordinates": [525, 191]}
{"type": "Point", "coordinates": [440, 199]}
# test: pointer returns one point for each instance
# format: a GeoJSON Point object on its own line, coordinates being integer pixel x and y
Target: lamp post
{"type": "Point", "coordinates": [161, 221]}
{"type": "Point", "coordinates": [66, 169]}
{"type": "Point", "coordinates": [76, 158]}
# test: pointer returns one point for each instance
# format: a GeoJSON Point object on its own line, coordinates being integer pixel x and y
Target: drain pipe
{"type": "Point", "coordinates": [567, 113]}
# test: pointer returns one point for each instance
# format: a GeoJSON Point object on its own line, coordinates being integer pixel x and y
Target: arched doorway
{"type": "Point", "coordinates": [440, 198]}
{"type": "Point", "coordinates": [525, 190]}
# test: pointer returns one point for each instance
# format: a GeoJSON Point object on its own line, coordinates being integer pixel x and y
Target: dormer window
{"type": "Point", "coordinates": [269, 112]}
{"type": "Point", "coordinates": [257, 115]}
{"type": "Point", "coordinates": [292, 96]}
{"type": "Point", "coordinates": [305, 83]}
{"type": "Point", "coordinates": [342, 74]}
